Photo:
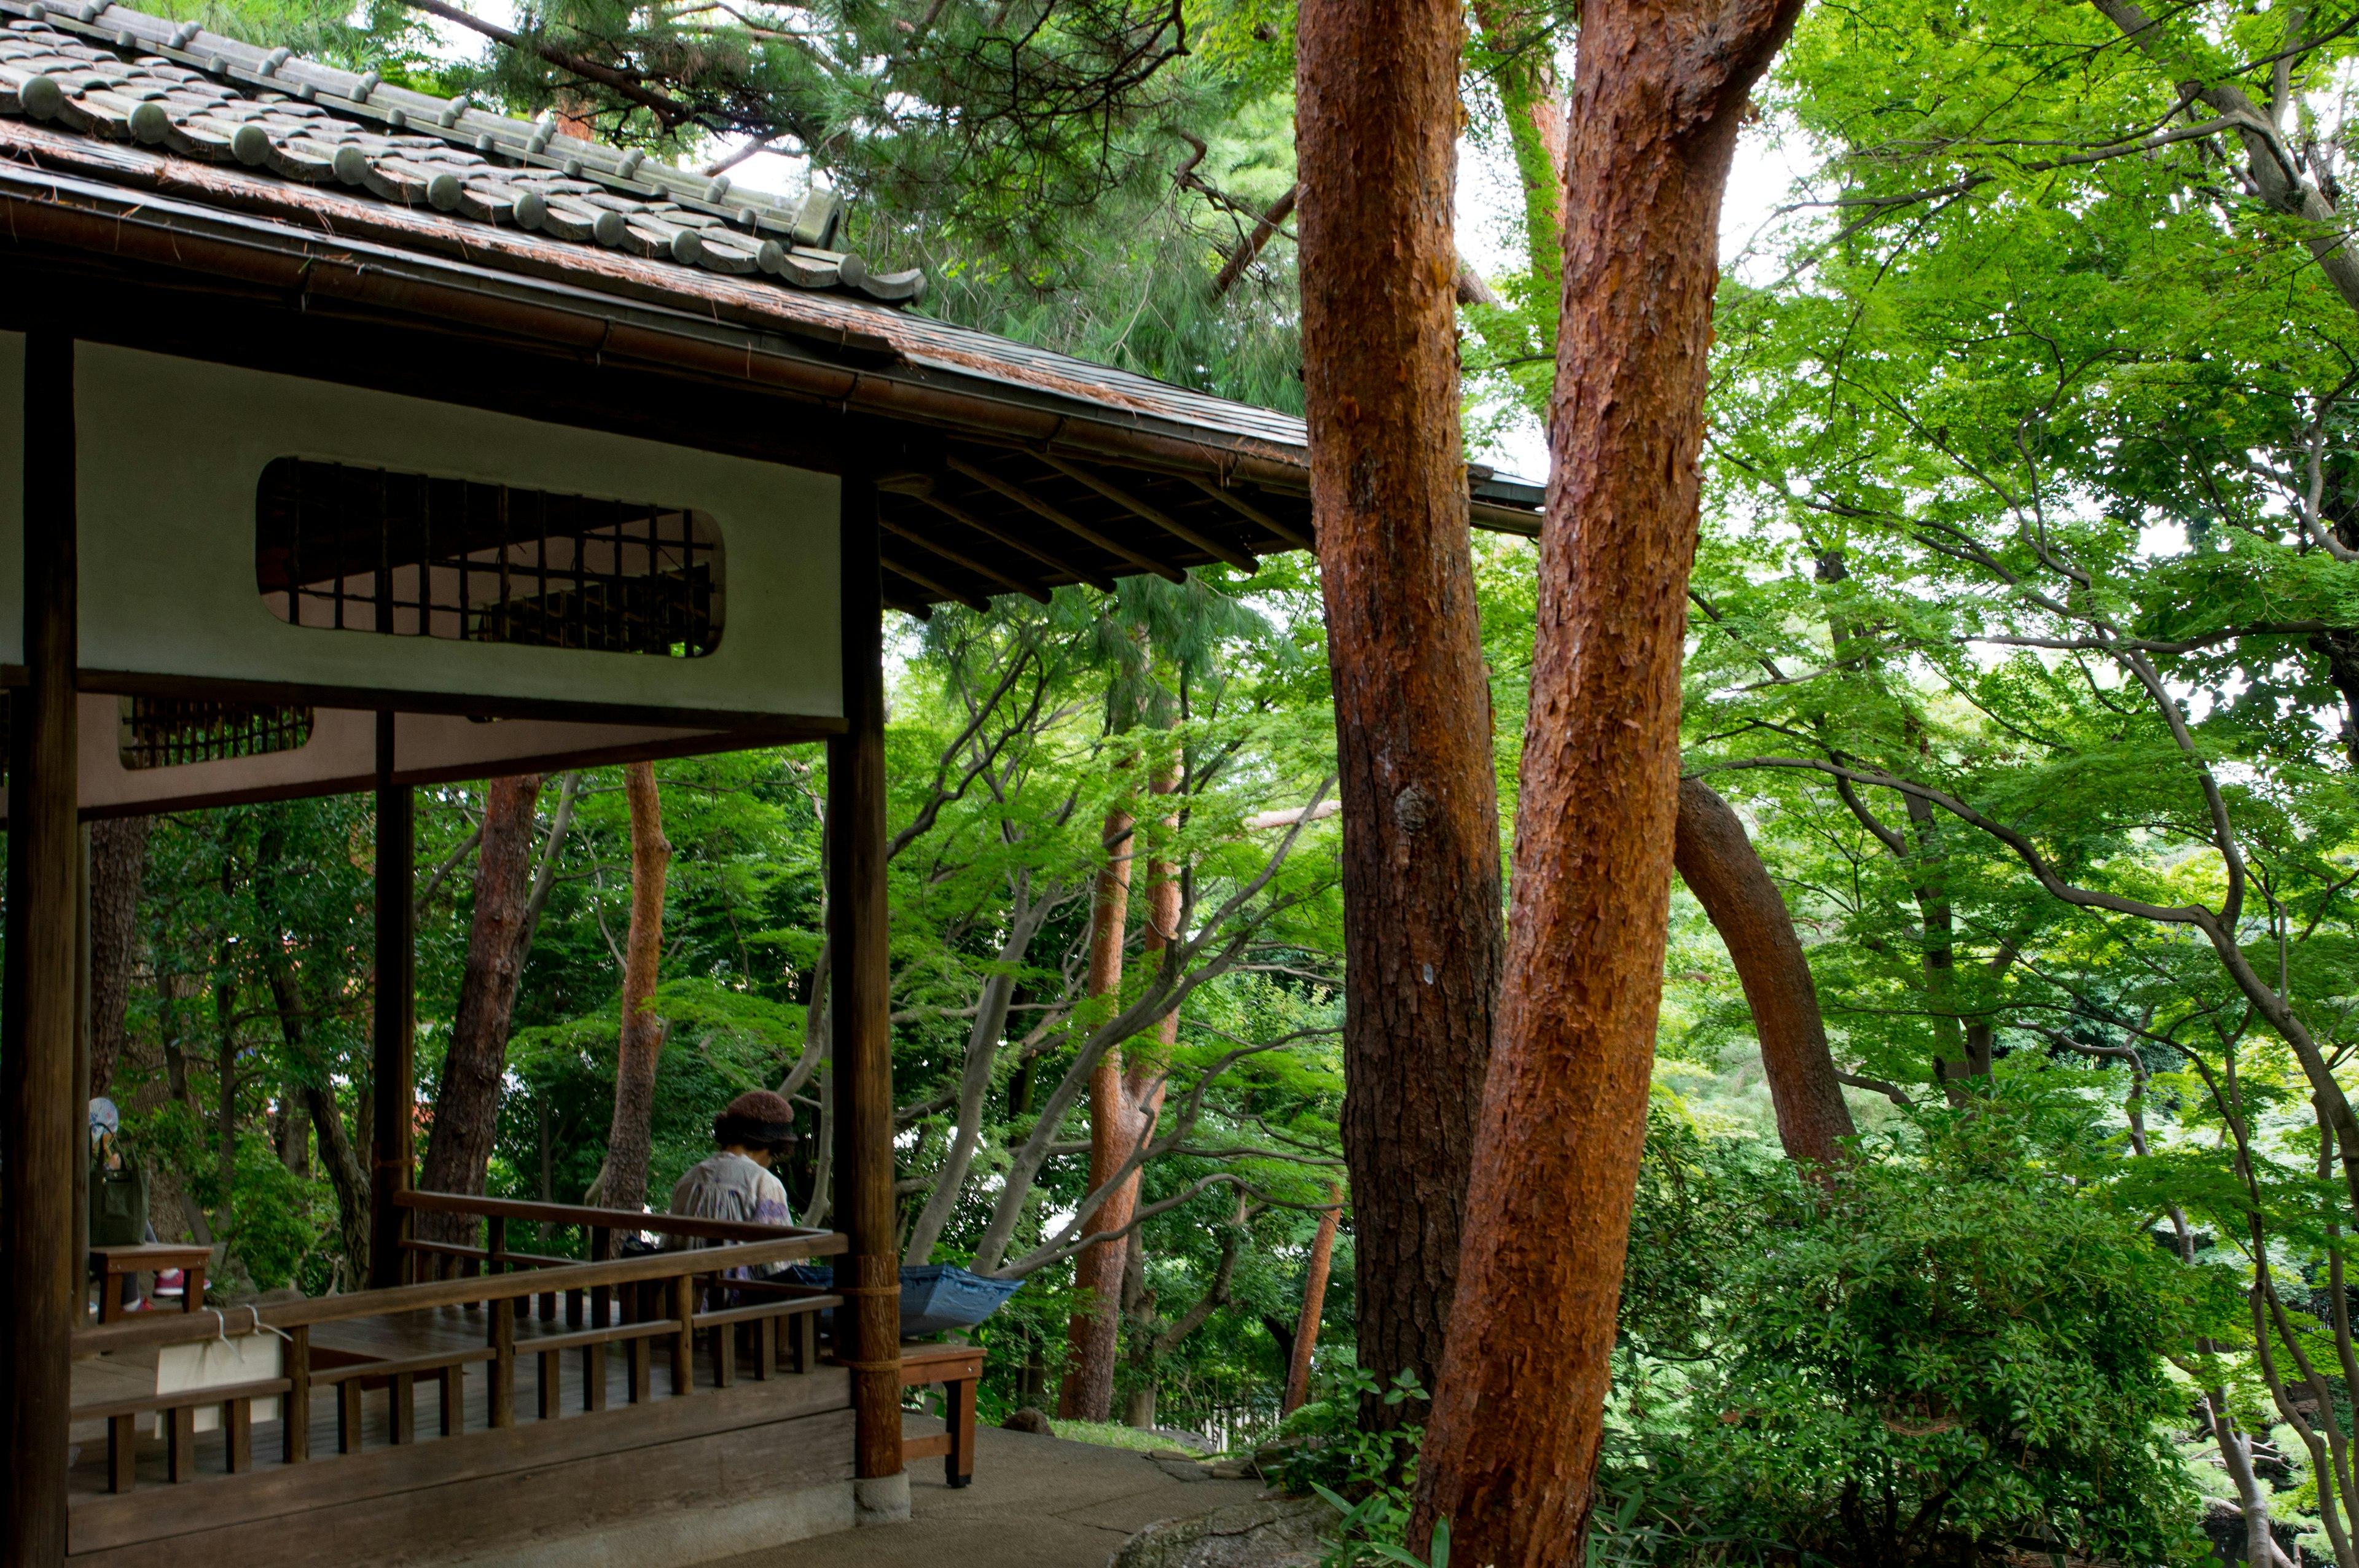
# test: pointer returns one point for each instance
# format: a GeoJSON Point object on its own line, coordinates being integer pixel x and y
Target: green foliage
{"type": "Point", "coordinates": [1962, 1341]}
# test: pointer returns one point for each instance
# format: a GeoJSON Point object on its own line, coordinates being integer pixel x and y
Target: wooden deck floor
{"type": "Point", "coordinates": [132, 1374]}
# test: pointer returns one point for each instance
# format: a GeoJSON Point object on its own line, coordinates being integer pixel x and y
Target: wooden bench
{"type": "Point", "coordinates": [110, 1264]}
{"type": "Point", "coordinates": [957, 1368]}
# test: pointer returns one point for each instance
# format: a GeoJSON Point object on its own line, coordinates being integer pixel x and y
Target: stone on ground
{"type": "Point", "coordinates": [1270, 1532]}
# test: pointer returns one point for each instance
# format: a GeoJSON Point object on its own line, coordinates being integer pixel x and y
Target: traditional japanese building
{"type": "Point", "coordinates": [354, 439]}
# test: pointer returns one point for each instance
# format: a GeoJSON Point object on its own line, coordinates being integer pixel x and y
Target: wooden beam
{"type": "Point", "coordinates": [972, 601]}
{"type": "Point", "coordinates": [1140, 506]}
{"type": "Point", "coordinates": [1028, 590]}
{"type": "Point", "coordinates": [40, 1115]}
{"type": "Point", "coordinates": [868, 1328]}
{"type": "Point", "coordinates": [1014, 541]}
{"type": "Point", "coordinates": [915, 611]}
{"type": "Point", "coordinates": [1073, 525]}
{"type": "Point", "coordinates": [395, 1068]}
{"type": "Point", "coordinates": [1246, 509]}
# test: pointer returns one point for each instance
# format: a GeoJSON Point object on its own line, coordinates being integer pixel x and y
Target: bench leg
{"type": "Point", "coordinates": [957, 1419]}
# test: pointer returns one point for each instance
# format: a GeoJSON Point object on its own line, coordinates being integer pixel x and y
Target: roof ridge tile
{"type": "Point", "coordinates": [109, 71]}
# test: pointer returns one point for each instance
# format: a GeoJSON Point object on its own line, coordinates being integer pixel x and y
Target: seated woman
{"type": "Point", "coordinates": [736, 1184]}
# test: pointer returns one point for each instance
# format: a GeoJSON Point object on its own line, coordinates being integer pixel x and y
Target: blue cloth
{"type": "Point", "coordinates": [934, 1296]}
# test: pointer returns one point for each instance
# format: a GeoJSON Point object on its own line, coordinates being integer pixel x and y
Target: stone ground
{"type": "Point", "coordinates": [1037, 1502]}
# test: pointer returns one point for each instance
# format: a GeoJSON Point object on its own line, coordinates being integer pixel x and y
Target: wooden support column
{"type": "Point", "coordinates": [41, 1114]}
{"type": "Point", "coordinates": [868, 1328]}
{"type": "Point", "coordinates": [395, 1069]}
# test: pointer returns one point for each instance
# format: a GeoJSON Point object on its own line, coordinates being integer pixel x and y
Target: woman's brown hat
{"type": "Point", "coordinates": [757, 1115]}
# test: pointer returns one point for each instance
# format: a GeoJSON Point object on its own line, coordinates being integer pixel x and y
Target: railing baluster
{"type": "Point", "coordinates": [122, 1452]}
{"type": "Point", "coordinates": [181, 1423]}
{"type": "Point", "coordinates": [552, 1385]}
{"type": "Point", "coordinates": [237, 1415]}
{"type": "Point", "coordinates": [766, 1349]}
{"type": "Point", "coordinates": [454, 1398]}
{"type": "Point", "coordinates": [503, 1383]}
{"type": "Point", "coordinates": [348, 1416]}
{"type": "Point", "coordinates": [295, 1405]}
{"type": "Point", "coordinates": [402, 1423]}
{"type": "Point", "coordinates": [683, 1341]}
{"type": "Point", "coordinates": [593, 1375]}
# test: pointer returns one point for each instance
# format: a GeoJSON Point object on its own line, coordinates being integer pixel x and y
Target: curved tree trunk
{"type": "Point", "coordinates": [1724, 872]}
{"type": "Point", "coordinates": [1376, 125]}
{"type": "Point", "coordinates": [467, 1100]}
{"type": "Point", "coordinates": [1511, 1449]}
{"type": "Point", "coordinates": [1087, 1391]}
{"type": "Point", "coordinates": [623, 1183]}
{"type": "Point", "coordinates": [1125, 1098]}
{"type": "Point", "coordinates": [1314, 1306]}
{"type": "Point", "coordinates": [118, 863]}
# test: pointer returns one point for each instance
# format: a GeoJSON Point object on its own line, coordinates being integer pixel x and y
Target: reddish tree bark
{"type": "Point", "coordinates": [1087, 1391]}
{"type": "Point", "coordinates": [118, 863]}
{"type": "Point", "coordinates": [1314, 1307]}
{"type": "Point", "coordinates": [1125, 1099]}
{"type": "Point", "coordinates": [1511, 1449]}
{"type": "Point", "coordinates": [623, 1183]}
{"type": "Point", "coordinates": [467, 1100]}
{"type": "Point", "coordinates": [1721, 869]}
{"type": "Point", "coordinates": [1377, 122]}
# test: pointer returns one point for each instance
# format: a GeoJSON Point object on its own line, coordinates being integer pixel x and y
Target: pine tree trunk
{"type": "Point", "coordinates": [467, 1100]}
{"type": "Point", "coordinates": [1125, 1099]}
{"type": "Point", "coordinates": [1314, 1306]}
{"type": "Point", "coordinates": [1376, 118]}
{"type": "Point", "coordinates": [1087, 1391]}
{"type": "Point", "coordinates": [622, 1184]}
{"type": "Point", "coordinates": [118, 864]}
{"type": "Point", "coordinates": [1511, 1449]}
{"type": "Point", "coordinates": [1725, 873]}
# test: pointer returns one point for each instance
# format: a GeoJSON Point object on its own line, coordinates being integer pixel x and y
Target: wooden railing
{"type": "Point", "coordinates": [646, 1306]}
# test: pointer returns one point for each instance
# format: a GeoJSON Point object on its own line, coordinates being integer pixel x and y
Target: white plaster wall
{"type": "Point", "coordinates": [170, 451]}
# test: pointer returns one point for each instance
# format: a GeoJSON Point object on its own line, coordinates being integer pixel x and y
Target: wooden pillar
{"type": "Point", "coordinates": [396, 1070]}
{"type": "Point", "coordinates": [869, 1333]}
{"type": "Point", "coordinates": [40, 1115]}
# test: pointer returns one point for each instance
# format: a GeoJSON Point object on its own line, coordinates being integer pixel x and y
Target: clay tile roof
{"type": "Point", "coordinates": [120, 75]}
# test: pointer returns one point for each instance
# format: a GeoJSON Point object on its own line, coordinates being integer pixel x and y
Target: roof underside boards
{"type": "Point", "coordinates": [169, 150]}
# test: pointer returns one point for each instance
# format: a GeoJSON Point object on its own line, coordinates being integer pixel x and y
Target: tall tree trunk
{"type": "Point", "coordinates": [623, 1182]}
{"type": "Point", "coordinates": [1314, 1307]}
{"type": "Point", "coordinates": [1087, 1390]}
{"type": "Point", "coordinates": [118, 864]}
{"type": "Point", "coordinates": [1724, 872]}
{"type": "Point", "coordinates": [1377, 117]}
{"type": "Point", "coordinates": [467, 1100]}
{"type": "Point", "coordinates": [1125, 1097]}
{"type": "Point", "coordinates": [1517, 35]}
{"type": "Point", "coordinates": [1511, 1449]}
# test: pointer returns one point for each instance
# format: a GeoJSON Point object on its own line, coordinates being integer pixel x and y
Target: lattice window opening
{"type": "Point", "coordinates": [171, 733]}
{"type": "Point", "coordinates": [364, 549]}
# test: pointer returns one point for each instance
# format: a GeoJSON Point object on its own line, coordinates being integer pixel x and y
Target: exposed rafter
{"type": "Point", "coordinates": [1247, 510]}
{"type": "Point", "coordinates": [1029, 590]}
{"type": "Point", "coordinates": [1072, 525]}
{"type": "Point", "coordinates": [972, 602]}
{"type": "Point", "coordinates": [1015, 541]}
{"type": "Point", "coordinates": [1155, 514]}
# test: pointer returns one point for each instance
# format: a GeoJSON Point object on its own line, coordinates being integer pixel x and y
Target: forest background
{"type": "Point", "coordinates": [2025, 638]}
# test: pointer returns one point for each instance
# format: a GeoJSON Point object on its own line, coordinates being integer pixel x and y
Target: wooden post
{"type": "Point", "coordinates": [41, 1120]}
{"type": "Point", "coordinates": [81, 1220]}
{"type": "Point", "coordinates": [868, 1328]}
{"type": "Point", "coordinates": [395, 1066]}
